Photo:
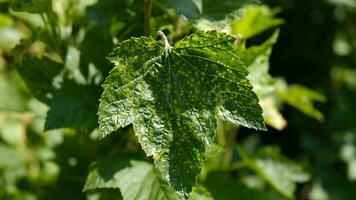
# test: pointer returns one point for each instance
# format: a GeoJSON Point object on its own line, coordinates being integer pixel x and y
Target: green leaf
{"type": "Point", "coordinates": [172, 96]}
{"type": "Point", "coordinates": [39, 76]}
{"type": "Point", "coordinates": [213, 10]}
{"type": "Point", "coordinates": [73, 106]}
{"type": "Point", "coordinates": [257, 18]}
{"type": "Point", "coordinates": [303, 99]}
{"type": "Point", "coordinates": [200, 193]}
{"type": "Point", "coordinates": [135, 179]}
{"type": "Point", "coordinates": [278, 171]}
{"type": "Point", "coordinates": [222, 186]}
{"type": "Point", "coordinates": [32, 6]}
{"type": "Point", "coordinates": [257, 62]}
{"type": "Point", "coordinates": [10, 157]}
{"type": "Point", "coordinates": [188, 8]}
{"type": "Point", "coordinates": [13, 93]}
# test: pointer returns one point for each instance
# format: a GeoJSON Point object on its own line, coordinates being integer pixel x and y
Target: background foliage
{"type": "Point", "coordinates": [301, 58]}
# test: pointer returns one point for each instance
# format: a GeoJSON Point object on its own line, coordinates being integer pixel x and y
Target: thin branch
{"type": "Point", "coordinates": [148, 12]}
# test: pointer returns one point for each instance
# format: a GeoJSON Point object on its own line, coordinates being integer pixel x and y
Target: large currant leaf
{"type": "Point", "coordinates": [173, 96]}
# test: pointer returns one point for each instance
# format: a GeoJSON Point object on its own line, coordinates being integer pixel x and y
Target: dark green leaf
{"type": "Point", "coordinates": [32, 6]}
{"type": "Point", "coordinates": [39, 76]}
{"type": "Point", "coordinates": [172, 96]}
{"type": "Point", "coordinates": [222, 187]}
{"type": "Point", "coordinates": [73, 106]}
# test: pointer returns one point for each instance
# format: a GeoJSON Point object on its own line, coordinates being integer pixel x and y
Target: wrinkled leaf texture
{"type": "Point", "coordinates": [173, 96]}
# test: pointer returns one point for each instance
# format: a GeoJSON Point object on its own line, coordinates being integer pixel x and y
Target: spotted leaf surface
{"type": "Point", "coordinates": [173, 97]}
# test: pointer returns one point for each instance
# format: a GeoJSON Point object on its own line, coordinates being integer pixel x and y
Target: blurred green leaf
{"type": "Point", "coordinates": [10, 157]}
{"type": "Point", "coordinates": [135, 179]}
{"type": "Point", "coordinates": [73, 106]}
{"type": "Point", "coordinates": [256, 19]}
{"type": "Point", "coordinates": [222, 186]}
{"type": "Point", "coordinates": [278, 171]}
{"type": "Point", "coordinates": [200, 193]}
{"type": "Point", "coordinates": [32, 6]}
{"type": "Point", "coordinates": [39, 75]}
{"type": "Point", "coordinates": [5, 20]}
{"type": "Point", "coordinates": [303, 99]}
{"type": "Point", "coordinates": [213, 10]}
{"type": "Point", "coordinates": [13, 94]}
{"type": "Point", "coordinates": [257, 61]}
{"type": "Point", "coordinates": [348, 152]}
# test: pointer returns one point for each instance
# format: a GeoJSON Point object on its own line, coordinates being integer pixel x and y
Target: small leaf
{"type": "Point", "coordinates": [257, 18]}
{"type": "Point", "coordinates": [173, 95]}
{"type": "Point", "coordinates": [278, 171]}
{"type": "Point", "coordinates": [303, 99]}
{"type": "Point", "coordinates": [135, 179]}
{"type": "Point", "coordinates": [257, 61]}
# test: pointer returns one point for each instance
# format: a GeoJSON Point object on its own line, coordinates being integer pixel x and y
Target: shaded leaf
{"type": "Point", "coordinates": [32, 6]}
{"type": "Point", "coordinates": [172, 96]}
{"type": "Point", "coordinates": [73, 106]}
{"type": "Point", "coordinates": [222, 187]}
{"type": "Point", "coordinates": [31, 69]}
{"type": "Point", "coordinates": [209, 14]}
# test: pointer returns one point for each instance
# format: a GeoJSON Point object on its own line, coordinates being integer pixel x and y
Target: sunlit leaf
{"type": "Point", "coordinates": [172, 96]}
{"type": "Point", "coordinates": [257, 18]}
{"type": "Point", "coordinates": [135, 179]}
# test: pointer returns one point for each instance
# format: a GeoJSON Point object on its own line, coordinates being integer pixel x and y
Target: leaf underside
{"type": "Point", "coordinates": [173, 97]}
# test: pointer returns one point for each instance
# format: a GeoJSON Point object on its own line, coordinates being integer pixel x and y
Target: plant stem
{"type": "Point", "coordinates": [148, 12]}
{"type": "Point", "coordinates": [229, 145]}
{"type": "Point", "coordinates": [167, 46]}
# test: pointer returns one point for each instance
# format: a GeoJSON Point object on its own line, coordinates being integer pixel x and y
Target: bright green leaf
{"type": "Point", "coordinates": [10, 157]}
{"type": "Point", "coordinates": [135, 179]}
{"type": "Point", "coordinates": [172, 96]}
{"type": "Point", "coordinates": [13, 95]}
{"type": "Point", "coordinates": [257, 62]}
{"type": "Point", "coordinates": [257, 18]}
{"type": "Point", "coordinates": [200, 193]}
